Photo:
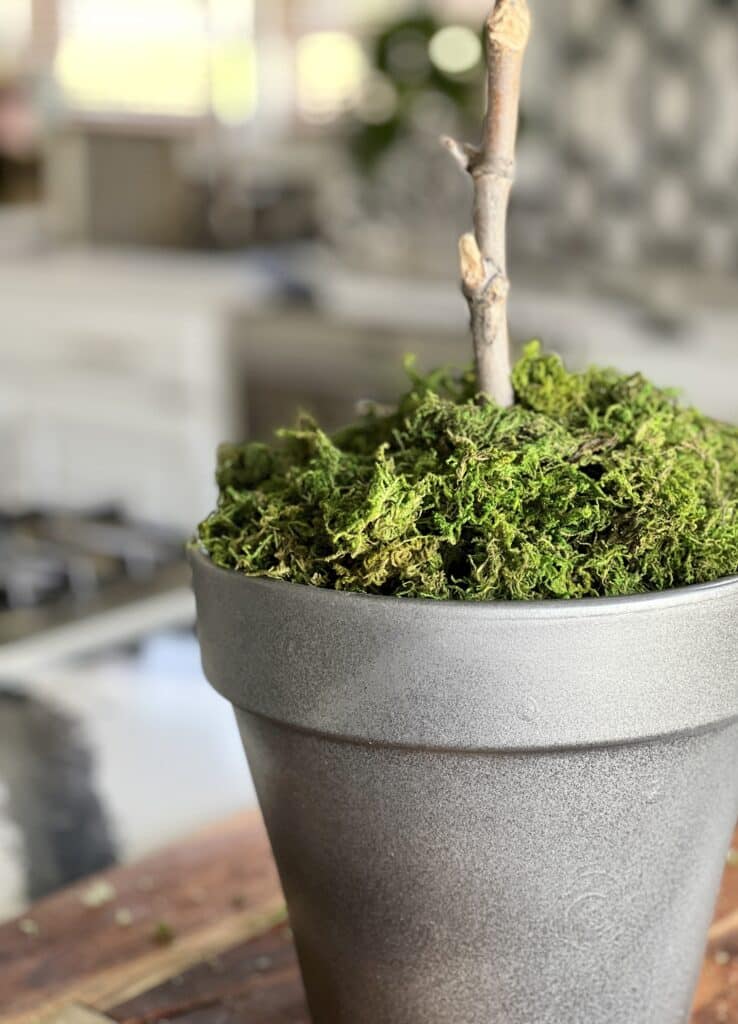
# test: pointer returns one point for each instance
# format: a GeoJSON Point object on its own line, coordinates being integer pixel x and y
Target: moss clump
{"type": "Point", "coordinates": [593, 484]}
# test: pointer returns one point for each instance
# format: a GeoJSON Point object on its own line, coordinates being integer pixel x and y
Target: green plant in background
{"type": "Point", "coordinates": [404, 72]}
{"type": "Point", "coordinates": [591, 484]}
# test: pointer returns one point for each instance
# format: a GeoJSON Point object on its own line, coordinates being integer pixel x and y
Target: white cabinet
{"type": "Point", "coordinates": [115, 380]}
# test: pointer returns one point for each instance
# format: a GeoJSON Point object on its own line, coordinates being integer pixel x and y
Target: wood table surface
{"type": "Point", "coordinates": [196, 935]}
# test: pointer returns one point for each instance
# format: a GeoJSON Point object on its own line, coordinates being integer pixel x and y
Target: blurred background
{"type": "Point", "coordinates": [213, 212]}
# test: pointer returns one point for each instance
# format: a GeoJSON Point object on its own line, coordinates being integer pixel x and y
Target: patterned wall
{"type": "Point", "coordinates": [631, 152]}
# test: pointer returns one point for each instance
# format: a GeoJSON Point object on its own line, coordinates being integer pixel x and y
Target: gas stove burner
{"type": "Point", "coordinates": [59, 564]}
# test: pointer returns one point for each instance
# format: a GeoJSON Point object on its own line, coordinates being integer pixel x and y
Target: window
{"type": "Point", "coordinates": [171, 57]}
{"type": "Point", "coordinates": [331, 68]}
{"type": "Point", "coordinates": [15, 27]}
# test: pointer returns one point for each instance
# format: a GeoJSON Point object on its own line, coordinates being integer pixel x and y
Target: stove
{"type": "Point", "coordinates": [61, 567]}
{"type": "Point", "coordinates": [111, 743]}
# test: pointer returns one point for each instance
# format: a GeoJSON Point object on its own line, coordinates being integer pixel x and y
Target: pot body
{"type": "Point", "coordinates": [487, 812]}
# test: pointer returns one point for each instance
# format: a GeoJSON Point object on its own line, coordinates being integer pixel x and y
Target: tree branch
{"type": "Point", "coordinates": [492, 168]}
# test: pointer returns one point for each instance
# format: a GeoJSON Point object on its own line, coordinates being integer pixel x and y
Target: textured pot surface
{"type": "Point", "coordinates": [482, 812]}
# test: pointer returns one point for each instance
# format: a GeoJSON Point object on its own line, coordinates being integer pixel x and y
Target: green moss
{"type": "Point", "coordinates": [593, 484]}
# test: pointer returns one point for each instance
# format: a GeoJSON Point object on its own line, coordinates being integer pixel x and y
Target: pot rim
{"type": "Point", "coordinates": [560, 607]}
{"type": "Point", "coordinates": [471, 675]}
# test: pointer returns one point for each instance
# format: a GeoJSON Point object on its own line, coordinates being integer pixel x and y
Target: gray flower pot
{"type": "Point", "coordinates": [504, 812]}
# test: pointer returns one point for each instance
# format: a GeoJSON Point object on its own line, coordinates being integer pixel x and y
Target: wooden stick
{"type": "Point", "coordinates": [483, 253]}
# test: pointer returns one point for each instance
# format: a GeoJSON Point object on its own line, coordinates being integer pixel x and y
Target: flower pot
{"type": "Point", "coordinates": [503, 812]}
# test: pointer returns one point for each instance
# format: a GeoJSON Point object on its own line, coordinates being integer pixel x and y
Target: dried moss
{"type": "Point", "coordinates": [593, 484]}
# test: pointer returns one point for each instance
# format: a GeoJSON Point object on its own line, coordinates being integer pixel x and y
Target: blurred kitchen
{"type": "Point", "coordinates": [213, 212]}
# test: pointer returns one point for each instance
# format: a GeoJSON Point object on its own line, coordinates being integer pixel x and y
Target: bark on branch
{"type": "Point", "coordinates": [483, 254]}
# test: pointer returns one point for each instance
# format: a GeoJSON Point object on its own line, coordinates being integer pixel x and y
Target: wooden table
{"type": "Point", "coordinates": [196, 935]}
